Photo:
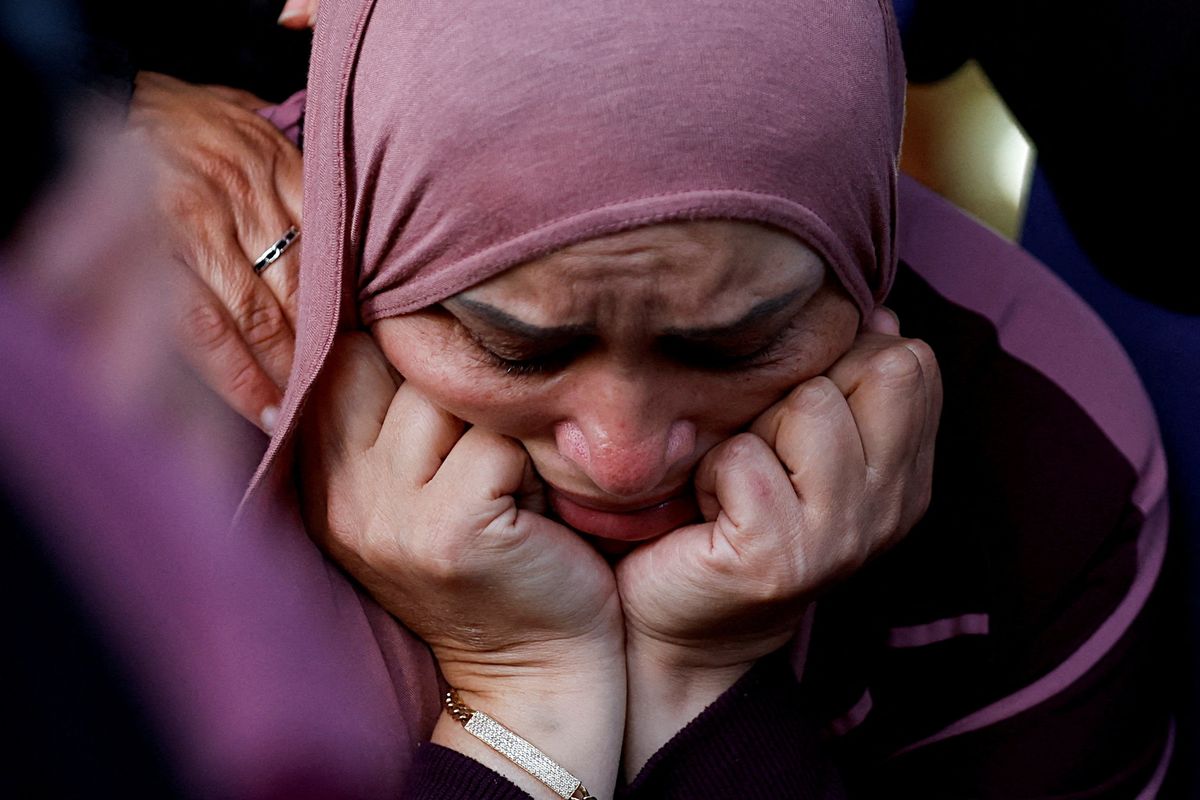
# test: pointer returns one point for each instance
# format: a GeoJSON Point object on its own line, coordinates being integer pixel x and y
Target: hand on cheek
{"type": "Point", "coordinates": [826, 478]}
{"type": "Point", "coordinates": [425, 513]}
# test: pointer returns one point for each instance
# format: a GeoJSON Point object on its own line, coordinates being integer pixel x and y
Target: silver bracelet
{"type": "Point", "coordinates": [516, 749]}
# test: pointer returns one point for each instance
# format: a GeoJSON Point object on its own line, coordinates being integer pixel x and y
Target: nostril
{"type": "Point", "coordinates": [572, 443]}
{"type": "Point", "coordinates": [629, 464]}
{"type": "Point", "coordinates": [681, 441]}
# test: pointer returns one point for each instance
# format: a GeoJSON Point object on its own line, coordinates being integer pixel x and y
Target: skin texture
{"type": "Point", "coordinates": [228, 184]}
{"type": "Point", "coordinates": [299, 14]}
{"type": "Point", "coordinates": [804, 437]}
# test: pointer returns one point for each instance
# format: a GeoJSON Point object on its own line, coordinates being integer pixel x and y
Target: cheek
{"type": "Point", "coordinates": [428, 354]}
{"type": "Point", "coordinates": [735, 402]}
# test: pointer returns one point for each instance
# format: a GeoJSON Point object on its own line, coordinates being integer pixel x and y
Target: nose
{"type": "Point", "coordinates": [624, 442]}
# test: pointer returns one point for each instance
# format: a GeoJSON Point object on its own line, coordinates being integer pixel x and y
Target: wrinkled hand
{"type": "Point", "coordinates": [434, 519]}
{"type": "Point", "coordinates": [830, 476]}
{"type": "Point", "coordinates": [228, 186]}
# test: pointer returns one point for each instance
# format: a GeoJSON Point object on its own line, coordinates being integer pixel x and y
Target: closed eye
{"type": "Point", "coordinates": [723, 356]}
{"type": "Point", "coordinates": [534, 365]}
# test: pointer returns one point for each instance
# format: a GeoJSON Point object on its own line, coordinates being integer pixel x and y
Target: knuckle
{"type": "Point", "coordinates": [896, 364]}
{"type": "Point", "coordinates": [185, 201]}
{"type": "Point", "coordinates": [852, 553]}
{"type": "Point", "coordinates": [924, 354]}
{"type": "Point", "coordinates": [243, 379]}
{"type": "Point", "coordinates": [889, 522]}
{"type": "Point", "coordinates": [813, 393]}
{"type": "Point", "coordinates": [233, 178]}
{"type": "Point", "coordinates": [769, 587]}
{"type": "Point", "coordinates": [437, 558]}
{"type": "Point", "coordinates": [261, 137]}
{"type": "Point", "coordinates": [742, 448]}
{"type": "Point", "coordinates": [262, 325]}
{"type": "Point", "coordinates": [204, 326]}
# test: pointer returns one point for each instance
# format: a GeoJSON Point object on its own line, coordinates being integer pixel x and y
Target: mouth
{"type": "Point", "coordinates": [633, 524]}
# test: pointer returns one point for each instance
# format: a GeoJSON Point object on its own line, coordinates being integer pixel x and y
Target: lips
{"type": "Point", "coordinates": [626, 525]}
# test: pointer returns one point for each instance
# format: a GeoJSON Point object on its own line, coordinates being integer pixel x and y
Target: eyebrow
{"type": "Point", "coordinates": [763, 310]}
{"type": "Point", "coordinates": [511, 325]}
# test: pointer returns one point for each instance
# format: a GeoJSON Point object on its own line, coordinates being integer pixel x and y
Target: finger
{"type": "Point", "coordinates": [480, 480]}
{"type": "Point", "coordinates": [289, 182]}
{"type": "Point", "coordinates": [239, 97]}
{"type": "Point", "coordinates": [350, 399]}
{"type": "Point", "coordinates": [883, 320]}
{"type": "Point", "coordinates": [417, 435]}
{"type": "Point", "coordinates": [477, 484]}
{"type": "Point", "coordinates": [214, 347]}
{"type": "Point", "coordinates": [892, 387]}
{"type": "Point", "coordinates": [749, 483]}
{"type": "Point", "coordinates": [814, 435]}
{"type": "Point", "coordinates": [216, 256]}
{"type": "Point", "coordinates": [262, 216]}
{"type": "Point", "coordinates": [282, 276]}
{"type": "Point", "coordinates": [484, 466]}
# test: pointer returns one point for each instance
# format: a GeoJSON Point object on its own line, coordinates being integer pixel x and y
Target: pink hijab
{"type": "Point", "coordinates": [449, 141]}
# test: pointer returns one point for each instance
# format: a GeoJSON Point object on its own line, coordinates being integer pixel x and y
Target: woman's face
{"type": "Point", "coordinates": [619, 362]}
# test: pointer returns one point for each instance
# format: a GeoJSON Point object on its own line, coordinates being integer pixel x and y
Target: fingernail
{"type": "Point", "coordinates": [291, 13]}
{"type": "Point", "coordinates": [884, 320]}
{"type": "Point", "coordinates": [270, 416]}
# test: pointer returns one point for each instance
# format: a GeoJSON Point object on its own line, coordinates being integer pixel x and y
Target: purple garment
{"type": "Point", "coordinates": [256, 661]}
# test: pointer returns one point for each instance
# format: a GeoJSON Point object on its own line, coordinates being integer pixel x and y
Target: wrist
{"type": "Point", "coordinates": [576, 718]}
{"type": "Point", "coordinates": [669, 685]}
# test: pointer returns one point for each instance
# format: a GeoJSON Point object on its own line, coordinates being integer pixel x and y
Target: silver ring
{"type": "Point", "coordinates": [272, 253]}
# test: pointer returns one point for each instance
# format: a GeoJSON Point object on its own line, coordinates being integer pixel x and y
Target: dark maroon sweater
{"type": "Point", "coordinates": [757, 734]}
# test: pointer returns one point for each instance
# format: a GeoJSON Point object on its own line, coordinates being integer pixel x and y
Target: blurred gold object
{"type": "Point", "coordinates": [961, 141]}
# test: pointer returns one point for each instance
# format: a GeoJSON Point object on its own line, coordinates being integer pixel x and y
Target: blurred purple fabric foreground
{"type": "Point", "coordinates": [255, 661]}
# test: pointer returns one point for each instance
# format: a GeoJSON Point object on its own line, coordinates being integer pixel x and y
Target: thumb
{"type": "Point", "coordinates": [349, 400]}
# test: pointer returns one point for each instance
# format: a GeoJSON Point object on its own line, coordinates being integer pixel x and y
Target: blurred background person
{"type": "Point", "coordinates": [153, 654]}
